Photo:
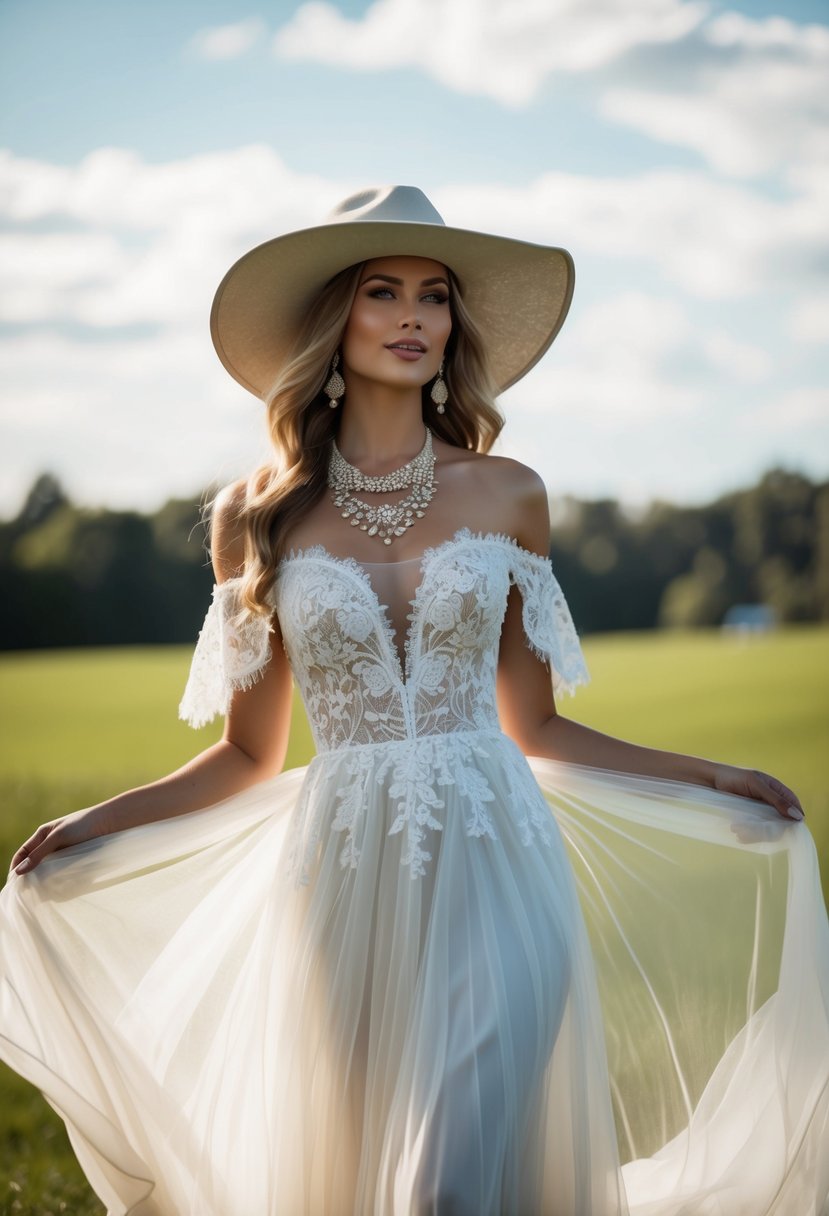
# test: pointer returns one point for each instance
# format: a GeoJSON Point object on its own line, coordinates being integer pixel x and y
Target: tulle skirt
{"type": "Point", "coordinates": [609, 996]}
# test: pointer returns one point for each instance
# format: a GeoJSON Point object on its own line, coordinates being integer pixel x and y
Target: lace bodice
{"type": "Point", "coordinates": [356, 685]}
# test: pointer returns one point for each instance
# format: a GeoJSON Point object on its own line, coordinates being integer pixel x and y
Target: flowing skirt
{"type": "Point", "coordinates": [606, 995]}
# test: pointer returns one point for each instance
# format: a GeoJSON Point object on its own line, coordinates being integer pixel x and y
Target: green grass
{"type": "Point", "coordinates": [77, 726]}
{"type": "Point", "coordinates": [761, 702]}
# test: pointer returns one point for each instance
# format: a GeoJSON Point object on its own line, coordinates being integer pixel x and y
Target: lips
{"type": "Point", "coordinates": [408, 352]}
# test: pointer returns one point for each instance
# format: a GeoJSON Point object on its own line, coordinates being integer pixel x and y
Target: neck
{"type": "Point", "coordinates": [381, 429]}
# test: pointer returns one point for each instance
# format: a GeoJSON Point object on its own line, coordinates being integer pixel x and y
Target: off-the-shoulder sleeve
{"type": "Point", "coordinates": [548, 624]}
{"type": "Point", "coordinates": [231, 653]}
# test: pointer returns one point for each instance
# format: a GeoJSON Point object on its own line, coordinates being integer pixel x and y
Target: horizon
{"type": "Point", "coordinates": [633, 511]}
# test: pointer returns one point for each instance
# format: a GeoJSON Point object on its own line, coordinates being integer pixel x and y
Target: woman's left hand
{"type": "Point", "coordinates": [751, 783]}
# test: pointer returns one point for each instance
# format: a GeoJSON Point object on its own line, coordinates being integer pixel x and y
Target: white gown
{"type": "Point", "coordinates": [423, 975]}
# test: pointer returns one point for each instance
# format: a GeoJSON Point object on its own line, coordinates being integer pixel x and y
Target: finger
{"type": "Point", "coordinates": [33, 859]}
{"type": "Point", "coordinates": [778, 795]}
{"type": "Point", "coordinates": [25, 851]}
{"type": "Point", "coordinates": [23, 860]}
{"type": "Point", "coordinates": [52, 841]}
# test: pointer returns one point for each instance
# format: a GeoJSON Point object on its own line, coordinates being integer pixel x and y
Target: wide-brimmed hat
{"type": "Point", "coordinates": [517, 292]}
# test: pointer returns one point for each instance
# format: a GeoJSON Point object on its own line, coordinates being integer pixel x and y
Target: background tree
{"type": "Point", "coordinates": [73, 576]}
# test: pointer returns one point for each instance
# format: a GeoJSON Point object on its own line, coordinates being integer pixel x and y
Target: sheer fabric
{"type": "Point", "coordinates": [423, 974]}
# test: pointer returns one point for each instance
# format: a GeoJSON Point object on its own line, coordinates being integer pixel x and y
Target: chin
{"type": "Point", "coordinates": [412, 380]}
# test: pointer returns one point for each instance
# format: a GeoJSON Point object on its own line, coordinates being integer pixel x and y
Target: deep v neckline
{"type": "Point", "coordinates": [402, 663]}
{"type": "Point", "coordinates": [399, 618]}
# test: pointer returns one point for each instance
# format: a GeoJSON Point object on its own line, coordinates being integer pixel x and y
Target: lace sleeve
{"type": "Point", "coordinates": [231, 653]}
{"type": "Point", "coordinates": [548, 624]}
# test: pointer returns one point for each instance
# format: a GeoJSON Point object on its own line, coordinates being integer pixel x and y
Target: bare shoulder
{"type": "Point", "coordinates": [227, 534]}
{"type": "Point", "coordinates": [529, 504]}
{"type": "Point", "coordinates": [501, 472]}
{"type": "Point", "coordinates": [518, 479]}
{"type": "Point", "coordinates": [506, 495]}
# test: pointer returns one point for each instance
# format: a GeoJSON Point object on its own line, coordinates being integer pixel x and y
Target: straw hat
{"type": "Point", "coordinates": [518, 293]}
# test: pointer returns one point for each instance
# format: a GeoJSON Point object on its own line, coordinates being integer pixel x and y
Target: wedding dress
{"type": "Point", "coordinates": [424, 974]}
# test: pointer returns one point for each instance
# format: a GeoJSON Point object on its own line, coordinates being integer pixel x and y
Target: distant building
{"type": "Point", "coordinates": [749, 618]}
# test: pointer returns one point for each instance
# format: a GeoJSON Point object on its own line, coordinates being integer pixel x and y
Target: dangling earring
{"type": "Point", "coordinates": [440, 393]}
{"type": "Point", "coordinates": [335, 387]}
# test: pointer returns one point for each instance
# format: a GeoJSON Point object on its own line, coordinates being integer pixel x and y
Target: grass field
{"type": "Point", "coordinates": [77, 726]}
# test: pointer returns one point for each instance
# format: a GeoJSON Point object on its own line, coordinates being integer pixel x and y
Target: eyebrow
{"type": "Point", "coordinates": [387, 278]}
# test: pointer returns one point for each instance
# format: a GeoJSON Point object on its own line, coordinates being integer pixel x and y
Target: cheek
{"type": "Point", "coordinates": [363, 327]}
{"type": "Point", "coordinates": [354, 346]}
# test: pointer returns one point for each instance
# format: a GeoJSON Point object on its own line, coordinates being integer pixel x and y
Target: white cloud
{"type": "Point", "coordinates": [809, 319]}
{"type": "Point", "coordinates": [122, 422]}
{"type": "Point", "coordinates": [227, 41]}
{"type": "Point", "coordinates": [741, 361]}
{"type": "Point", "coordinates": [614, 365]}
{"type": "Point", "coordinates": [714, 240]}
{"type": "Point", "coordinates": [766, 33]}
{"type": "Point", "coordinates": [619, 360]}
{"type": "Point", "coordinates": [806, 406]}
{"type": "Point", "coordinates": [148, 243]}
{"type": "Point", "coordinates": [247, 187]}
{"type": "Point", "coordinates": [754, 102]}
{"type": "Point", "coordinates": [45, 275]}
{"type": "Point", "coordinates": [500, 48]}
{"type": "Point", "coordinates": [748, 95]}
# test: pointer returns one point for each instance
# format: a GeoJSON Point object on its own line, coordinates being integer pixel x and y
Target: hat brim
{"type": "Point", "coordinates": [517, 292]}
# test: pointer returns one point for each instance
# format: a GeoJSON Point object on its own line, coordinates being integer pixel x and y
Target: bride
{"type": "Point", "coordinates": [475, 957]}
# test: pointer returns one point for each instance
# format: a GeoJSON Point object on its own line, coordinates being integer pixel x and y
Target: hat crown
{"type": "Point", "coordinates": [386, 204]}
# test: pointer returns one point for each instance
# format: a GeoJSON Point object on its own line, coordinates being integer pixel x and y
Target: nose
{"type": "Point", "coordinates": [410, 318]}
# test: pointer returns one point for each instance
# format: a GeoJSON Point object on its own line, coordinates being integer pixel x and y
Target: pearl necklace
{"type": "Point", "coordinates": [388, 520]}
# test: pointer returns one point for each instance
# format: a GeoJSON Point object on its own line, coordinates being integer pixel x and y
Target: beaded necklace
{"type": "Point", "coordinates": [387, 520]}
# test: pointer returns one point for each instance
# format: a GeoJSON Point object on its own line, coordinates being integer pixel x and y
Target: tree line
{"type": "Point", "coordinates": [74, 576]}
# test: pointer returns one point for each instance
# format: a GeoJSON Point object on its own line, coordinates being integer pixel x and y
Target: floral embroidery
{"type": "Point", "coordinates": [445, 614]}
{"type": "Point", "coordinates": [413, 789]}
{"type": "Point", "coordinates": [433, 668]}
{"type": "Point", "coordinates": [350, 801]}
{"type": "Point", "coordinates": [376, 679]}
{"type": "Point", "coordinates": [232, 652]}
{"type": "Point", "coordinates": [430, 710]}
{"type": "Point", "coordinates": [356, 623]}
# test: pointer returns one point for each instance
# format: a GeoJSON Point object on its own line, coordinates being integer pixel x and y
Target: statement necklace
{"type": "Point", "coordinates": [387, 520]}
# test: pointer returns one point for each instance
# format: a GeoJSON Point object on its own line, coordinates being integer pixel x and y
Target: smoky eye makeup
{"type": "Point", "coordinates": [378, 290]}
{"type": "Point", "coordinates": [436, 287]}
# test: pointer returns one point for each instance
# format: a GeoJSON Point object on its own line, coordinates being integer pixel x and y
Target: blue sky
{"type": "Point", "coordinates": [678, 148]}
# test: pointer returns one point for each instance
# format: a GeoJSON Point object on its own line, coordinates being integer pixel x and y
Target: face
{"type": "Point", "coordinates": [399, 322]}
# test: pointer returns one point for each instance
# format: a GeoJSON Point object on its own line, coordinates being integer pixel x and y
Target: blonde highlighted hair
{"type": "Point", "coordinates": [301, 425]}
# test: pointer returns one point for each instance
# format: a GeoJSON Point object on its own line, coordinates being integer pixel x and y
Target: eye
{"type": "Point", "coordinates": [437, 297]}
{"type": "Point", "coordinates": [377, 292]}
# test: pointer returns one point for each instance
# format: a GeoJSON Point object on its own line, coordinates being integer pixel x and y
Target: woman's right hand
{"type": "Point", "coordinates": [58, 834]}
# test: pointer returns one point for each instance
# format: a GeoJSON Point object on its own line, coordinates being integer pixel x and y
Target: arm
{"type": "Point", "coordinates": [529, 714]}
{"type": "Point", "coordinates": [251, 750]}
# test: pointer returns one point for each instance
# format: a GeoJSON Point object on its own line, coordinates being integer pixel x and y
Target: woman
{"type": "Point", "coordinates": [394, 982]}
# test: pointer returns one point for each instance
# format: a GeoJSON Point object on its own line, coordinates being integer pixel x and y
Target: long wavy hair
{"type": "Point", "coordinates": [302, 426]}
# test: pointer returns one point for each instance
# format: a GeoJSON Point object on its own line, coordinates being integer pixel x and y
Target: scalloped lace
{"type": "Point", "coordinates": [340, 641]}
{"type": "Point", "coordinates": [232, 653]}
